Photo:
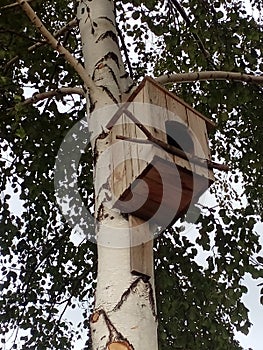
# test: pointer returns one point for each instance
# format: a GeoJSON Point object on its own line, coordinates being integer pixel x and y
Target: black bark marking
{"type": "Point", "coordinates": [109, 93]}
{"type": "Point", "coordinates": [92, 24]}
{"type": "Point", "coordinates": [108, 34]}
{"type": "Point", "coordinates": [100, 214]}
{"type": "Point", "coordinates": [103, 135]}
{"type": "Point", "coordinates": [112, 74]}
{"type": "Point", "coordinates": [107, 19]}
{"type": "Point", "coordinates": [114, 334]}
{"type": "Point", "coordinates": [88, 12]}
{"type": "Point", "coordinates": [151, 300]}
{"type": "Point", "coordinates": [107, 197]}
{"type": "Point", "coordinates": [125, 75]}
{"type": "Point", "coordinates": [125, 295]}
{"type": "Point", "coordinates": [109, 56]}
{"type": "Point", "coordinates": [129, 88]}
{"type": "Point", "coordinates": [92, 107]}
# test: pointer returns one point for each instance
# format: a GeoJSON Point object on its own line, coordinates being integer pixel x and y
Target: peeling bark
{"type": "Point", "coordinates": [117, 328]}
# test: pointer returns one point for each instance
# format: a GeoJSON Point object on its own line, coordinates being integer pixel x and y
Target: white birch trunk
{"type": "Point", "coordinates": [124, 317]}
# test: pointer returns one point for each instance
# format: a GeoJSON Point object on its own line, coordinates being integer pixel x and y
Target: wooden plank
{"type": "Point", "coordinates": [198, 127]}
{"type": "Point", "coordinates": [210, 124]}
{"type": "Point", "coordinates": [177, 108]}
{"type": "Point", "coordinates": [158, 112]}
{"type": "Point", "coordinates": [146, 203]}
{"type": "Point", "coordinates": [118, 180]}
{"type": "Point", "coordinates": [139, 96]}
{"type": "Point", "coordinates": [141, 250]}
{"type": "Point", "coordinates": [138, 165]}
{"type": "Point", "coordinates": [155, 96]}
{"type": "Point", "coordinates": [129, 130]}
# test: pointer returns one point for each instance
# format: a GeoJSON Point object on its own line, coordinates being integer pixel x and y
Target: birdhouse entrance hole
{"type": "Point", "coordinates": [178, 135]}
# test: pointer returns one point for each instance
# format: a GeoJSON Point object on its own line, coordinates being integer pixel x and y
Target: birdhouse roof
{"type": "Point", "coordinates": [209, 123]}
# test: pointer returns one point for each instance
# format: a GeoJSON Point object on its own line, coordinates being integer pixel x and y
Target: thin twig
{"type": "Point", "coordinates": [209, 75]}
{"type": "Point", "coordinates": [21, 35]}
{"type": "Point", "coordinates": [56, 45]}
{"type": "Point", "coordinates": [12, 5]}
{"type": "Point", "coordinates": [61, 315]}
{"type": "Point", "coordinates": [56, 34]}
{"type": "Point", "coordinates": [58, 92]}
{"type": "Point", "coordinates": [197, 38]}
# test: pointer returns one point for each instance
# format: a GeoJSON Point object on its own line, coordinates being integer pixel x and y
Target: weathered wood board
{"type": "Point", "coordinates": [148, 183]}
{"type": "Point", "coordinates": [141, 247]}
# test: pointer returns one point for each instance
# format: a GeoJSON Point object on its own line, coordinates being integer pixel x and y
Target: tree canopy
{"type": "Point", "coordinates": [46, 267]}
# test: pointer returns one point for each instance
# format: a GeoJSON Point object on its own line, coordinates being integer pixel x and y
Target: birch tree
{"type": "Point", "coordinates": [88, 55]}
{"type": "Point", "coordinates": [124, 316]}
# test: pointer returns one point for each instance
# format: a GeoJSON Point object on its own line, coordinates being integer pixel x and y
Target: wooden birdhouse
{"type": "Point", "coordinates": [161, 158]}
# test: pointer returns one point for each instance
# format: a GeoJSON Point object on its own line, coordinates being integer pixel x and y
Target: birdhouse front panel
{"type": "Point", "coordinates": [152, 93]}
{"type": "Point", "coordinates": [159, 155]}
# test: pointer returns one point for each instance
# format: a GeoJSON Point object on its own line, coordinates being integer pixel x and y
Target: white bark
{"type": "Point", "coordinates": [209, 75]}
{"type": "Point", "coordinates": [103, 61]}
{"type": "Point", "coordinates": [124, 317]}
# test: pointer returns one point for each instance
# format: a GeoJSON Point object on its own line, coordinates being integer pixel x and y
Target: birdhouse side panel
{"type": "Point", "coordinates": [200, 137]}
{"type": "Point", "coordinates": [177, 109]}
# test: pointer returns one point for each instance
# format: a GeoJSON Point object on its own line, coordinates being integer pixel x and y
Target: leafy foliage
{"type": "Point", "coordinates": [44, 269]}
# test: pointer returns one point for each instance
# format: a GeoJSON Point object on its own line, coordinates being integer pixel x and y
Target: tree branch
{"type": "Point", "coordinates": [56, 34]}
{"type": "Point", "coordinates": [56, 45]}
{"type": "Point", "coordinates": [209, 75]}
{"type": "Point", "coordinates": [21, 35]}
{"type": "Point", "coordinates": [197, 38]}
{"type": "Point", "coordinates": [12, 5]}
{"type": "Point", "coordinates": [58, 92]}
